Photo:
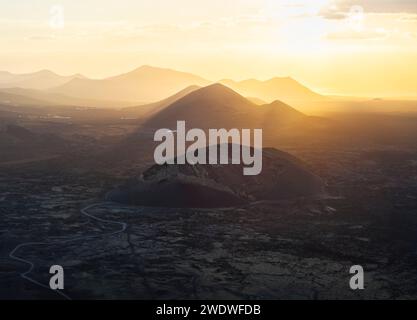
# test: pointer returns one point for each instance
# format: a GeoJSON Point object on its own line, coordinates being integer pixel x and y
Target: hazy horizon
{"type": "Point", "coordinates": [340, 47]}
{"type": "Point", "coordinates": [330, 94]}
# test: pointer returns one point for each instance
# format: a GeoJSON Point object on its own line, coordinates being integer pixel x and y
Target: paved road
{"type": "Point", "coordinates": [31, 265]}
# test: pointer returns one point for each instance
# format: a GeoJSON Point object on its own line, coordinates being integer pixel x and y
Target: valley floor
{"type": "Point", "coordinates": [300, 249]}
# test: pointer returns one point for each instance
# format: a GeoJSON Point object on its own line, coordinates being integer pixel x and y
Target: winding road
{"type": "Point", "coordinates": [31, 265]}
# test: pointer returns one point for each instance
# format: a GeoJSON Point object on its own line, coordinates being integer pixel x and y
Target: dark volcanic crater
{"type": "Point", "coordinates": [283, 177]}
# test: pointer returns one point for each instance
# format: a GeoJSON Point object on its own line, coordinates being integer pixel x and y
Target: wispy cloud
{"type": "Point", "coordinates": [355, 35]}
{"type": "Point", "coordinates": [341, 9]}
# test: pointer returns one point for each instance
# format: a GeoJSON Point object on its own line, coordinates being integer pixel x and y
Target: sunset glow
{"type": "Point", "coordinates": [365, 48]}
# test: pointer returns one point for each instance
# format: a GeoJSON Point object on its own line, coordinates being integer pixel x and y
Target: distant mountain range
{"type": "Point", "coordinates": [285, 89]}
{"type": "Point", "coordinates": [145, 85]}
{"type": "Point", "coordinates": [213, 106]}
{"type": "Point", "coordinates": [150, 109]}
{"type": "Point", "coordinates": [217, 106]}
{"type": "Point", "coordinates": [43, 79]}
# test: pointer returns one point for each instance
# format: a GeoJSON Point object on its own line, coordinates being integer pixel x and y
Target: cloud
{"type": "Point", "coordinates": [355, 35]}
{"type": "Point", "coordinates": [384, 6]}
{"type": "Point", "coordinates": [332, 15]}
{"type": "Point", "coordinates": [341, 9]}
{"type": "Point", "coordinates": [41, 37]}
{"type": "Point", "coordinates": [409, 17]}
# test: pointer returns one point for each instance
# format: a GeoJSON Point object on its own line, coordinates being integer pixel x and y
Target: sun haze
{"type": "Point", "coordinates": [343, 47]}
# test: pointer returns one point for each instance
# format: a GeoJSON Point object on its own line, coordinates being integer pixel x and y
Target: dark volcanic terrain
{"type": "Point", "coordinates": [291, 249]}
{"type": "Point", "coordinates": [56, 169]}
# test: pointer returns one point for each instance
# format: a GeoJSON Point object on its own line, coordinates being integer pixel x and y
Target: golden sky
{"type": "Point", "coordinates": [365, 47]}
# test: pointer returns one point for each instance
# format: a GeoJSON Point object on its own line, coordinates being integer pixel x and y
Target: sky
{"type": "Point", "coordinates": [345, 47]}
